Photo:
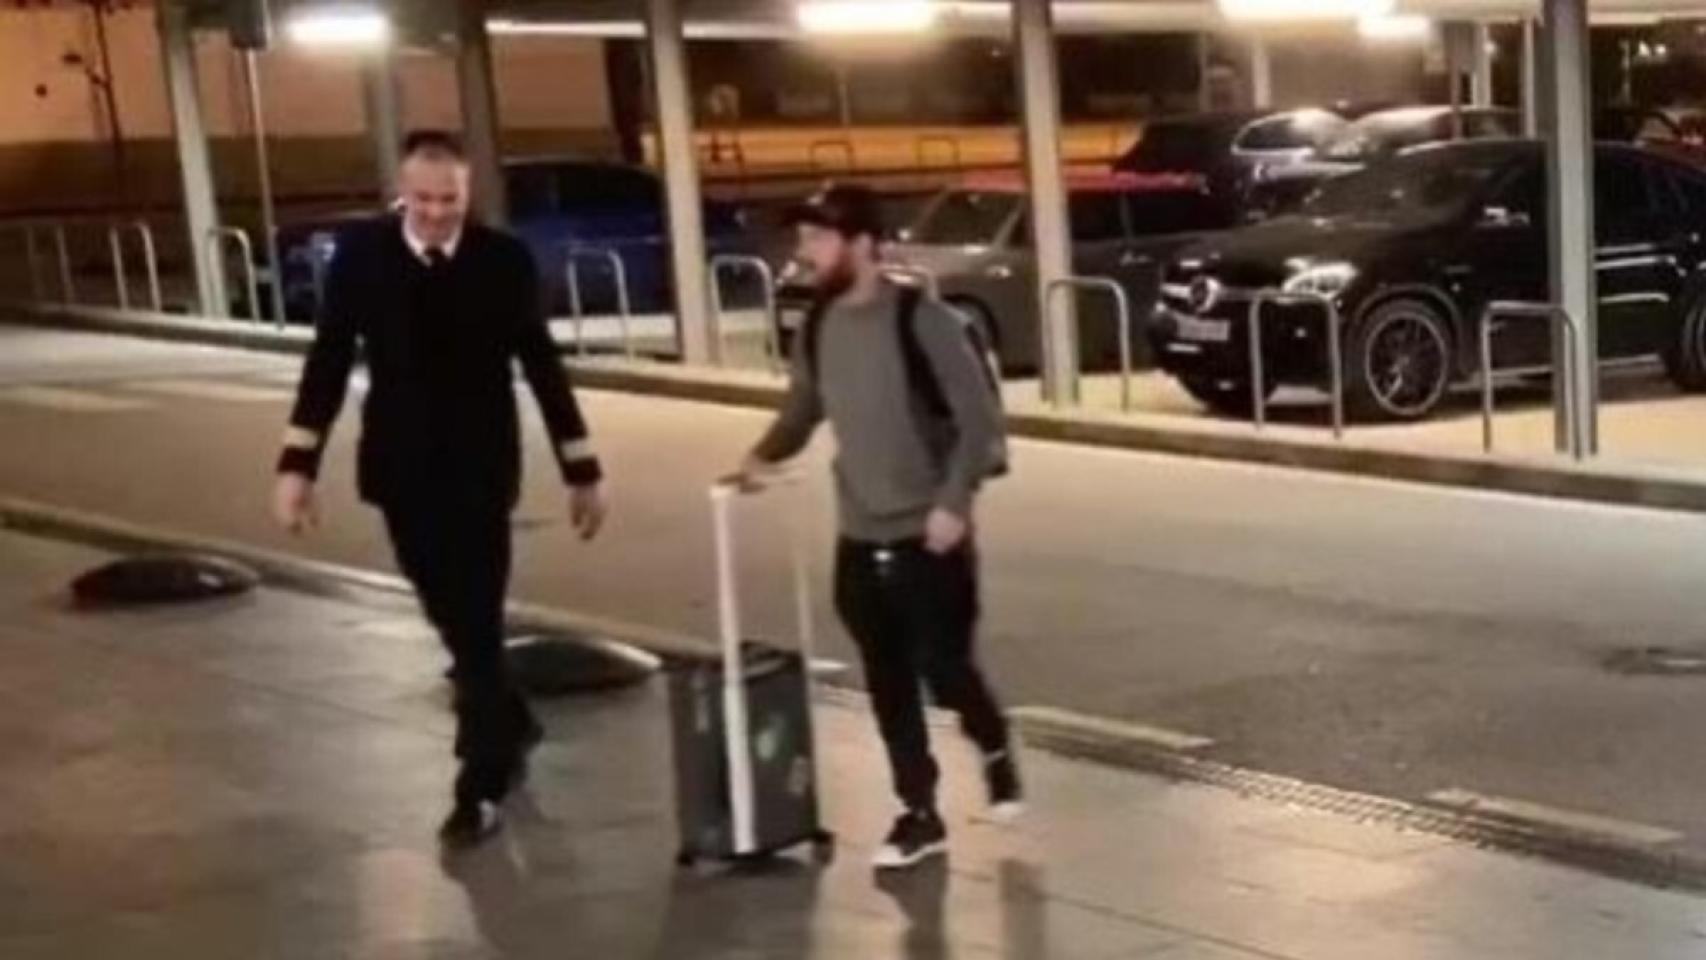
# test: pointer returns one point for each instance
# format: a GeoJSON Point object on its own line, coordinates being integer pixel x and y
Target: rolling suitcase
{"type": "Point", "coordinates": [745, 758]}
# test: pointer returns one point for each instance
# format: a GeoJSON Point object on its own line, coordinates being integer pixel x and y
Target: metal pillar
{"type": "Point", "coordinates": [1530, 73]}
{"type": "Point", "coordinates": [1039, 103]}
{"type": "Point", "coordinates": [1205, 62]}
{"type": "Point", "coordinates": [1569, 160]}
{"type": "Point", "coordinates": [673, 100]}
{"type": "Point", "coordinates": [1481, 66]}
{"type": "Point", "coordinates": [263, 183]}
{"type": "Point", "coordinates": [201, 212]}
{"type": "Point", "coordinates": [383, 104]}
{"type": "Point", "coordinates": [480, 111]}
{"type": "Point", "coordinates": [1261, 75]}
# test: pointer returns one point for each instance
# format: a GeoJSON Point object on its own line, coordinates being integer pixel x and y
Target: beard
{"type": "Point", "coordinates": [837, 279]}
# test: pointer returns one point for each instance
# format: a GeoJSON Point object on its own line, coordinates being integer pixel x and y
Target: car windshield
{"type": "Point", "coordinates": [963, 218]}
{"type": "Point", "coordinates": [1422, 184]}
{"type": "Point", "coordinates": [1384, 134]}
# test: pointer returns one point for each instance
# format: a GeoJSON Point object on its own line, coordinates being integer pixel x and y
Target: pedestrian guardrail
{"type": "Point", "coordinates": [1122, 317]}
{"type": "Point", "coordinates": [1335, 352]}
{"type": "Point", "coordinates": [62, 250]}
{"type": "Point", "coordinates": [150, 261]}
{"type": "Point", "coordinates": [1567, 437]}
{"type": "Point", "coordinates": [576, 255]}
{"type": "Point", "coordinates": [218, 239]}
{"type": "Point", "coordinates": [842, 146]}
{"type": "Point", "coordinates": [955, 159]}
{"type": "Point", "coordinates": [767, 277]}
{"type": "Point", "coordinates": [32, 259]}
{"type": "Point", "coordinates": [916, 276]}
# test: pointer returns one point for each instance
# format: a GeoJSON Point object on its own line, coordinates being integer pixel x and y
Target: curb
{"type": "Point", "coordinates": [1060, 732]}
{"type": "Point", "coordinates": [1630, 487]}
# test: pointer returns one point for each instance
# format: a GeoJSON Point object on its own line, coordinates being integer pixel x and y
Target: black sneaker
{"type": "Point", "coordinates": [917, 836]}
{"type": "Point", "coordinates": [1006, 794]}
{"type": "Point", "coordinates": [470, 824]}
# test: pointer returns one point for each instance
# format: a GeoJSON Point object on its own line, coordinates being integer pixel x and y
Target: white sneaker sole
{"type": "Point", "coordinates": [889, 858]}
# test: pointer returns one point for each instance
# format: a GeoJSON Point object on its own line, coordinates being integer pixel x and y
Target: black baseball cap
{"type": "Point", "coordinates": [848, 210]}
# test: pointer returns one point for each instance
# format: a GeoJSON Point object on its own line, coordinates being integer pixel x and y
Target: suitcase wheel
{"type": "Point", "coordinates": [823, 847]}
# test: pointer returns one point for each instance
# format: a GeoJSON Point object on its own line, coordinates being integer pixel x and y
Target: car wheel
{"type": "Point", "coordinates": [1685, 359]}
{"type": "Point", "coordinates": [1400, 362]}
{"type": "Point", "coordinates": [1228, 397]}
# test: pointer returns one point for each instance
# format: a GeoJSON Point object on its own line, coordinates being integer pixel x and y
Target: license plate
{"type": "Point", "coordinates": [1204, 331]}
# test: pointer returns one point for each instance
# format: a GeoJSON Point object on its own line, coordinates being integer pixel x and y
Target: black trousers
{"type": "Point", "coordinates": [458, 559]}
{"type": "Point", "coordinates": [914, 616]}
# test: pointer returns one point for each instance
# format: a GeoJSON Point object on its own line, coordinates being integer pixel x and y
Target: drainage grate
{"type": "Point", "coordinates": [1657, 662]}
{"type": "Point", "coordinates": [1560, 844]}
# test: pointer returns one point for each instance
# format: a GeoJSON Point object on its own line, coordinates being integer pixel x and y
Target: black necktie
{"type": "Point", "coordinates": [436, 258]}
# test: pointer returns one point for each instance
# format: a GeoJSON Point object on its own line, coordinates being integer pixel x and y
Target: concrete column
{"type": "Point", "coordinates": [267, 242]}
{"type": "Point", "coordinates": [679, 160]}
{"type": "Point", "coordinates": [1205, 89]}
{"type": "Point", "coordinates": [201, 211]}
{"type": "Point", "coordinates": [1481, 66]}
{"type": "Point", "coordinates": [480, 111]}
{"type": "Point", "coordinates": [382, 101]}
{"type": "Point", "coordinates": [1261, 75]}
{"type": "Point", "coordinates": [1530, 75]}
{"type": "Point", "coordinates": [1039, 104]}
{"type": "Point", "coordinates": [1569, 156]}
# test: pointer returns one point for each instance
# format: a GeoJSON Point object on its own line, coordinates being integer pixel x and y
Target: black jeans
{"type": "Point", "coordinates": [914, 616]}
{"type": "Point", "coordinates": [458, 559]}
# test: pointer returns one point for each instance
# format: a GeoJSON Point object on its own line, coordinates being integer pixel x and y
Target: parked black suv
{"type": "Point", "coordinates": [1411, 250]}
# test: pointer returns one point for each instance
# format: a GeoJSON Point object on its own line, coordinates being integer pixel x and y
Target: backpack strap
{"type": "Point", "coordinates": [920, 375]}
{"type": "Point", "coordinates": [811, 332]}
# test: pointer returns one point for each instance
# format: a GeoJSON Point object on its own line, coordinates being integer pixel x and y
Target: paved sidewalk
{"type": "Point", "coordinates": [262, 777]}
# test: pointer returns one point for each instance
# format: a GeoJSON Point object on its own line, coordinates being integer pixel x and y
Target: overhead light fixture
{"type": "Point", "coordinates": [341, 25]}
{"type": "Point", "coordinates": [867, 17]}
{"type": "Point", "coordinates": [1292, 11]}
{"type": "Point", "coordinates": [1395, 28]}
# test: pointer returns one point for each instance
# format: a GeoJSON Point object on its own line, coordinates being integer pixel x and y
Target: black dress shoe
{"type": "Point", "coordinates": [470, 824]}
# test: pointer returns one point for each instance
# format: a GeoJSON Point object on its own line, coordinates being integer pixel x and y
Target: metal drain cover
{"type": "Point", "coordinates": [1657, 661]}
{"type": "Point", "coordinates": [161, 578]}
{"type": "Point", "coordinates": [559, 664]}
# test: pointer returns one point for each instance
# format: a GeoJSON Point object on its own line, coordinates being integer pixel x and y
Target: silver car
{"type": "Point", "coordinates": [974, 241]}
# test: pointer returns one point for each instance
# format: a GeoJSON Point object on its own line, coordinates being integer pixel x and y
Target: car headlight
{"type": "Point", "coordinates": [1324, 279]}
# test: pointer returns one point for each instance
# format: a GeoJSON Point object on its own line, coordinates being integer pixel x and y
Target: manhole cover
{"type": "Point", "coordinates": [162, 578]}
{"type": "Point", "coordinates": [550, 665]}
{"type": "Point", "coordinates": [1657, 661]}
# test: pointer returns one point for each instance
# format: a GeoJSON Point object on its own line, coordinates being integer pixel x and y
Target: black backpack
{"type": "Point", "coordinates": [920, 375]}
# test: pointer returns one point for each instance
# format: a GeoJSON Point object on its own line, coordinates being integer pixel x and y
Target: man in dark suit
{"type": "Point", "coordinates": [442, 308]}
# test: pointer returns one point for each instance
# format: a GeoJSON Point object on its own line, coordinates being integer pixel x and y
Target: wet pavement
{"type": "Point", "coordinates": [262, 776]}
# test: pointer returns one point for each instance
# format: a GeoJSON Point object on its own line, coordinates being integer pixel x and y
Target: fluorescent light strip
{"type": "Point", "coordinates": [867, 17]}
{"type": "Point", "coordinates": [339, 27]}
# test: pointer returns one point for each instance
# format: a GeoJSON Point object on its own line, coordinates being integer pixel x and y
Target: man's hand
{"type": "Point", "coordinates": [587, 510]}
{"type": "Point", "coordinates": [750, 476]}
{"type": "Point", "coordinates": [944, 531]}
{"type": "Point", "coordinates": [294, 505]}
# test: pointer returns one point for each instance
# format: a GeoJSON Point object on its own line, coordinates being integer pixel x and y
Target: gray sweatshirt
{"type": "Point", "coordinates": [895, 461]}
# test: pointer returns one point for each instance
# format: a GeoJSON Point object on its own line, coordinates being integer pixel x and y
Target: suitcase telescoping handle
{"type": "Point", "coordinates": [724, 496]}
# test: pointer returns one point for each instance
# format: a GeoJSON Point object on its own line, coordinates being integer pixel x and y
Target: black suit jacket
{"type": "Point", "coordinates": [441, 343]}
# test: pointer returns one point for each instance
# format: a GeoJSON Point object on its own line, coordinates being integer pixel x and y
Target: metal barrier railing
{"type": "Point", "coordinates": [1335, 353]}
{"type": "Point", "coordinates": [576, 255]}
{"type": "Point", "coordinates": [218, 238]}
{"type": "Point", "coordinates": [955, 158]}
{"type": "Point", "coordinates": [32, 261]}
{"type": "Point", "coordinates": [917, 275]}
{"type": "Point", "coordinates": [62, 249]}
{"type": "Point", "coordinates": [150, 261]}
{"type": "Point", "coordinates": [843, 146]}
{"type": "Point", "coordinates": [1568, 436]}
{"type": "Point", "coordinates": [1122, 316]}
{"type": "Point", "coordinates": [766, 276]}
